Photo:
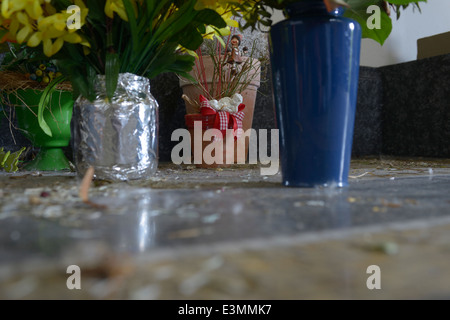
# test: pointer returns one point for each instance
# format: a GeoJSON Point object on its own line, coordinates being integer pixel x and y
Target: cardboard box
{"type": "Point", "coordinates": [436, 45]}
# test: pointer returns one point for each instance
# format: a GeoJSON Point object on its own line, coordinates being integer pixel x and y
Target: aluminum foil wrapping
{"type": "Point", "coordinates": [118, 138]}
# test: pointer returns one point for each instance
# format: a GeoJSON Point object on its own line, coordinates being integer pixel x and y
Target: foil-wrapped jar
{"type": "Point", "coordinates": [119, 138]}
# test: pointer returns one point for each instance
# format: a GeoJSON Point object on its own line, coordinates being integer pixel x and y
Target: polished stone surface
{"type": "Point", "coordinates": [230, 233]}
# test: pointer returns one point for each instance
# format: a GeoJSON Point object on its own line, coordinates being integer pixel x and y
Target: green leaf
{"type": "Point", "coordinates": [361, 6]}
{"type": "Point", "coordinates": [132, 22]}
{"type": "Point", "coordinates": [42, 123]}
{"type": "Point", "coordinates": [379, 35]}
{"type": "Point", "coordinates": [4, 45]}
{"type": "Point", "coordinates": [90, 80]}
{"type": "Point", "coordinates": [358, 12]}
{"type": "Point", "coordinates": [83, 81]}
{"type": "Point", "coordinates": [112, 69]}
{"type": "Point", "coordinates": [3, 156]}
{"type": "Point", "coordinates": [79, 85]}
{"type": "Point", "coordinates": [405, 2]}
{"type": "Point", "coordinates": [96, 10]}
{"type": "Point", "coordinates": [191, 40]}
{"type": "Point", "coordinates": [181, 65]}
{"type": "Point", "coordinates": [45, 101]}
{"type": "Point", "coordinates": [11, 161]}
{"type": "Point", "coordinates": [211, 17]}
{"type": "Point", "coordinates": [176, 23]}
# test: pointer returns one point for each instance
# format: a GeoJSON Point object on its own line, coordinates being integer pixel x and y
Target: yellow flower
{"type": "Point", "coordinates": [222, 7]}
{"type": "Point", "coordinates": [227, 16]}
{"type": "Point", "coordinates": [209, 4]}
{"type": "Point", "coordinates": [52, 32]}
{"type": "Point", "coordinates": [14, 26]}
{"type": "Point", "coordinates": [211, 33]}
{"type": "Point", "coordinates": [212, 4]}
{"type": "Point", "coordinates": [116, 6]}
{"type": "Point", "coordinates": [202, 4]}
{"type": "Point", "coordinates": [28, 22]}
{"type": "Point", "coordinates": [84, 11]}
{"type": "Point", "coordinates": [27, 28]}
{"type": "Point", "coordinates": [32, 7]}
{"type": "Point", "coordinates": [51, 47]}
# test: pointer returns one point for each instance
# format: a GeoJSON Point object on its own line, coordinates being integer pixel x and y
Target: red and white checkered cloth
{"type": "Point", "coordinates": [223, 118]}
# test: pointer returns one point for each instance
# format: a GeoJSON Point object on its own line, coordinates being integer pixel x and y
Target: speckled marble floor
{"type": "Point", "coordinates": [229, 233]}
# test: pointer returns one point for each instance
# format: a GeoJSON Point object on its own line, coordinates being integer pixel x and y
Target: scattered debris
{"type": "Point", "coordinates": [358, 176]}
{"type": "Point", "coordinates": [391, 204]}
{"type": "Point", "coordinates": [315, 203]}
{"type": "Point", "coordinates": [34, 201]}
{"type": "Point", "coordinates": [186, 233]}
{"type": "Point", "coordinates": [45, 194]}
{"type": "Point", "coordinates": [387, 247]}
{"type": "Point", "coordinates": [149, 292]}
{"type": "Point", "coordinates": [379, 209]}
{"type": "Point", "coordinates": [211, 218]}
{"type": "Point", "coordinates": [203, 276]}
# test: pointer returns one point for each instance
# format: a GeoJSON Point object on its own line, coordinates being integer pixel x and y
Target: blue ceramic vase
{"type": "Point", "coordinates": [315, 69]}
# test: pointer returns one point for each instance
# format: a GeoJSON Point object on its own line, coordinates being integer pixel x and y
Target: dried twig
{"type": "Point", "coordinates": [359, 176]}
{"type": "Point", "coordinates": [84, 188]}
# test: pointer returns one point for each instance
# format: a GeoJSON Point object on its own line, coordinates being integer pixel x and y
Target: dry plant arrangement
{"type": "Point", "coordinates": [231, 74]}
{"type": "Point", "coordinates": [220, 95]}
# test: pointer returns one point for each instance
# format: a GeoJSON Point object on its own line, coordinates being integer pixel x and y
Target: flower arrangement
{"type": "Point", "coordinates": [87, 38]}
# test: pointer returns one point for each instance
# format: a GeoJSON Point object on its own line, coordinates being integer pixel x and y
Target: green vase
{"type": "Point", "coordinates": [51, 155]}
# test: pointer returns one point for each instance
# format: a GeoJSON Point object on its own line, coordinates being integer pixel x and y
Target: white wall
{"type": "Point", "coordinates": [401, 46]}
